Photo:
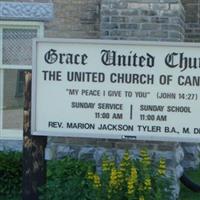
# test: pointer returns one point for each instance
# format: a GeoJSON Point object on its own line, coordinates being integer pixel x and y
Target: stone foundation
{"type": "Point", "coordinates": [173, 156]}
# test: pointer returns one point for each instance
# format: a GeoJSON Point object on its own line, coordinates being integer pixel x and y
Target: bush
{"type": "Point", "coordinates": [66, 180]}
{"type": "Point", "coordinates": [10, 173]}
{"type": "Point", "coordinates": [138, 179]}
{"type": "Point", "coordinates": [131, 179]}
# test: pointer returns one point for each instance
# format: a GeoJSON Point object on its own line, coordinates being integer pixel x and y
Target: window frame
{"type": "Point", "coordinates": [13, 134]}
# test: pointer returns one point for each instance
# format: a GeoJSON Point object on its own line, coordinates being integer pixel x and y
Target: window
{"type": "Point", "coordinates": [19, 84]}
{"type": "Point", "coordinates": [15, 57]}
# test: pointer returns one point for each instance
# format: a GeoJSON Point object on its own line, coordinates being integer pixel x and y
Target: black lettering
{"type": "Point", "coordinates": [170, 60]}
{"type": "Point", "coordinates": [112, 58]}
{"type": "Point", "coordinates": [52, 75]}
{"type": "Point", "coordinates": [51, 57]}
{"type": "Point", "coordinates": [174, 60]}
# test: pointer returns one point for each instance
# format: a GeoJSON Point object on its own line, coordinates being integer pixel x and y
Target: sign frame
{"type": "Point", "coordinates": [133, 137]}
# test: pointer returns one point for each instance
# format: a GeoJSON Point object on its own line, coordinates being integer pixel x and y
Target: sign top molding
{"type": "Point", "coordinates": [26, 11]}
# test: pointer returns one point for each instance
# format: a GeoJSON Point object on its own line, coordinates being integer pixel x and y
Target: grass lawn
{"type": "Point", "coordinates": [187, 194]}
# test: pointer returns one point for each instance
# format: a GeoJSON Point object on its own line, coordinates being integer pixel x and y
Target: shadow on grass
{"type": "Point", "coordinates": [187, 194]}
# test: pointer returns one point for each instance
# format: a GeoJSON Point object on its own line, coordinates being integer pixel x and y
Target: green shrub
{"type": "Point", "coordinates": [131, 179]}
{"type": "Point", "coordinates": [10, 173]}
{"type": "Point", "coordinates": [66, 180]}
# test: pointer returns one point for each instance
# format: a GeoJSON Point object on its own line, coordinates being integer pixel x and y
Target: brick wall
{"type": "Point", "coordinates": [142, 20]}
{"type": "Point", "coordinates": [192, 26]}
{"type": "Point", "coordinates": [29, 1]}
{"type": "Point", "coordinates": [74, 19]}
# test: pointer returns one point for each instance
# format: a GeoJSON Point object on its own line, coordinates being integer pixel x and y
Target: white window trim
{"type": "Point", "coordinates": [1, 85]}
{"type": "Point", "coordinates": [1, 100]}
{"type": "Point", "coordinates": [11, 134]}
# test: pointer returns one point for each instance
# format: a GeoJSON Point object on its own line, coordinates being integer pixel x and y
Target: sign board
{"type": "Point", "coordinates": [116, 89]}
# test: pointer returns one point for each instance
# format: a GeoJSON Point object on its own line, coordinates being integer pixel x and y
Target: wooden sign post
{"type": "Point", "coordinates": [34, 165]}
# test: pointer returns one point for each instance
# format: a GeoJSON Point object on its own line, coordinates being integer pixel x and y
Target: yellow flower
{"type": "Point", "coordinates": [120, 175]}
{"type": "Point", "coordinates": [123, 166]}
{"type": "Point", "coordinates": [90, 176]}
{"type": "Point", "coordinates": [120, 178]}
{"type": "Point", "coordinates": [96, 180]}
{"type": "Point", "coordinates": [134, 174]}
{"type": "Point", "coordinates": [146, 160]}
{"type": "Point", "coordinates": [126, 156]}
{"type": "Point", "coordinates": [132, 181]}
{"type": "Point", "coordinates": [162, 167]}
{"type": "Point", "coordinates": [130, 187]}
{"type": "Point", "coordinates": [105, 165]}
{"type": "Point", "coordinates": [147, 184]}
{"type": "Point", "coordinates": [141, 198]}
{"type": "Point", "coordinates": [114, 183]}
{"type": "Point", "coordinates": [113, 178]}
{"type": "Point", "coordinates": [125, 162]}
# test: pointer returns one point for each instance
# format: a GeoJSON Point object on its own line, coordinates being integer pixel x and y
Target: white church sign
{"type": "Point", "coordinates": [115, 89]}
